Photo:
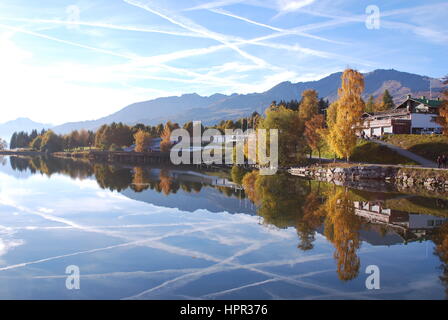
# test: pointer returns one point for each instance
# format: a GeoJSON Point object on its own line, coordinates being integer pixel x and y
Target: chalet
{"type": "Point", "coordinates": [416, 116]}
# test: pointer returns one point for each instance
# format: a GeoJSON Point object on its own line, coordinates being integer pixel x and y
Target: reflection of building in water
{"type": "Point", "coordinates": [402, 226]}
{"type": "Point", "coordinates": [193, 176]}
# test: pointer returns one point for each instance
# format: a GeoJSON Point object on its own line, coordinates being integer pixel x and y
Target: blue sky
{"type": "Point", "coordinates": [77, 60]}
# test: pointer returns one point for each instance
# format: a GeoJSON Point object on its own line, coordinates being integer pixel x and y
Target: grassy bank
{"type": "Point", "coordinates": [427, 146]}
{"type": "Point", "coordinates": [370, 152]}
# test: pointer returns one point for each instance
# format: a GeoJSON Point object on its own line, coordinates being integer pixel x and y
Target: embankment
{"type": "Point", "coordinates": [378, 176]}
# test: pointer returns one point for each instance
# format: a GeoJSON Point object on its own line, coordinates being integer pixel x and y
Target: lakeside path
{"type": "Point", "coordinates": [408, 154]}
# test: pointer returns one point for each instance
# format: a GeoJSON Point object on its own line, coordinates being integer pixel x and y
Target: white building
{"type": "Point", "coordinates": [414, 115]}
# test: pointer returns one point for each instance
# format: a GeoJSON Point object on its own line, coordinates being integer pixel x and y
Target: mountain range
{"type": "Point", "coordinates": [20, 124]}
{"type": "Point", "coordinates": [218, 107]}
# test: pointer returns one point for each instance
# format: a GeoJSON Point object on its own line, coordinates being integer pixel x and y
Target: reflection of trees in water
{"type": "Point", "coordinates": [284, 201]}
{"type": "Point", "coordinates": [115, 178]}
{"type": "Point", "coordinates": [440, 239]}
{"type": "Point", "coordinates": [167, 183]}
{"type": "Point", "coordinates": [112, 178]}
{"type": "Point", "coordinates": [305, 205]}
{"type": "Point", "coordinates": [313, 217]}
{"type": "Point", "coordinates": [140, 181]}
{"type": "Point", "coordinates": [342, 229]}
{"type": "Point", "coordinates": [49, 166]}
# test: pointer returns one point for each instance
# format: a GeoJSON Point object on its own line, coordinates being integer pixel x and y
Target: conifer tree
{"type": "Point", "coordinates": [388, 102]}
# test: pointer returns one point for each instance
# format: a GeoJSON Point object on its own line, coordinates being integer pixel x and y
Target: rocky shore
{"type": "Point", "coordinates": [375, 176]}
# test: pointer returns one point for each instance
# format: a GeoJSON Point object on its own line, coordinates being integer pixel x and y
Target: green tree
{"type": "Point", "coordinates": [51, 142]}
{"type": "Point", "coordinates": [13, 141]}
{"type": "Point", "coordinates": [388, 102]}
{"type": "Point", "coordinates": [290, 127]}
{"type": "Point", "coordinates": [371, 105]}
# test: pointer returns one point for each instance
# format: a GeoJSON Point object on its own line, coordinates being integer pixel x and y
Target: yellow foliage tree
{"type": "Point", "coordinates": [165, 144]}
{"type": "Point", "coordinates": [442, 119]}
{"type": "Point", "coordinates": [344, 115]}
{"type": "Point", "coordinates": [142, 139]}
{"type": "Point", "coordinates": [309, 106]}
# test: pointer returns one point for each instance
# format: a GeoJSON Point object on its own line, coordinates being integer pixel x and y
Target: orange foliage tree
{"type": "Point", "coordinates": [309, 106]}
{"type": "Point", "coordinates": [313, 132]}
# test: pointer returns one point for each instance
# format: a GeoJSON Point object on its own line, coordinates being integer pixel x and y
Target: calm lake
{"type": "Point", "coordinates": [179, 233]}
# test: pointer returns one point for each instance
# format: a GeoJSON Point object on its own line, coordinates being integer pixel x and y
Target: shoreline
{"type": "Point", "coordinates": [403, 177]}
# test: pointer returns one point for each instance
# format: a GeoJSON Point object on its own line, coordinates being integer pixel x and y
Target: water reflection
{"type": "Point", "coordinates": [345, 218]}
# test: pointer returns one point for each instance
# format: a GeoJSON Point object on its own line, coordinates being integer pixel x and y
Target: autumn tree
{"type": "Point", "coordinates": [442, 118]}
{"type": "Point", "coordinates": [309, 106]}
{"type": "Point", "coordinates": [165, 144]}
{"type": "Point", "coordinates": [344, 115]}
{"type": "Point", "coordinates": [313, 133]}
{"type": "Point", "coordinates": [142, 139]}
{"type": "Point", "coordinates": [118, 134]}
{"type": "Point", "coordinates": [36, 143]}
